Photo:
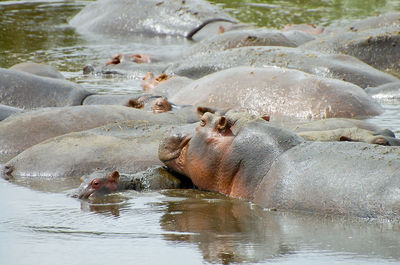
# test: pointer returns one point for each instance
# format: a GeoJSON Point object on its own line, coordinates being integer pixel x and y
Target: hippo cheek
{"type": "Point", "coordinates": [172, 152]}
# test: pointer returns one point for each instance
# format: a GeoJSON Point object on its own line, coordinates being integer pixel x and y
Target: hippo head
{"type": "Point", "coordinates": [156, 104]}
{"type": "Point", "coordinates": [116, 59]}
{"type": "Point", "coordinates": [98, 186]}
{"type": "Point", "coordinates": [197, 152]}
{"type": "Point", "coordinates": [141, 58]}
{"type": "Point", "coordinates": [229, 153]}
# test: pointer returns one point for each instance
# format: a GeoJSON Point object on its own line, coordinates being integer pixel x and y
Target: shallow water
{"type": "Point", "coordinates": [180, 226]}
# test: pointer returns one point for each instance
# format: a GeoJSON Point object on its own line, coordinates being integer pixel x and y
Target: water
{"type": "Point", "coordinates": [180, 226]}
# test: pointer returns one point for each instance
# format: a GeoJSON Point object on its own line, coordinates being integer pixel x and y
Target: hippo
{"type": "Point", "coordinates": [251, 37]}
{"type": "Point", "coordinates": [307, 28]}
{"type": "Point", "coordinates": [381, 21]}
{"type": "Point", "coordinates": [136, 58]}
{"type": "Point", "coordinates": [277, 169]}
{"type": "Point", "coordinates": [354, 134]}
{"type": "Point", "coordinates": [342, 129]}
{"type": "Point", "coordinates": [28, 91]}
{"type": "Point", "coordinates": [6, 111]}
{"type": "Point", "coordinates": [387, 93]}
{"type": "Point", "coordinates": [100, 183]}
{"type": "Point", "coordinates": [377, 47]}
{"type": "Point", "coordinates": [344, 67]}
{"type": "Point", "coordinates": [58, 163]}
{"type": "Point", "coordinates": [21, 131]}
{"type": "Point", "coordinates": [166, 85]}
{"type": "Point", "coordinates": [151, 17]}
{"type": "Point", "coordinates": [38, 69]}
{"type": "Point", "coordinates": [280, 93]}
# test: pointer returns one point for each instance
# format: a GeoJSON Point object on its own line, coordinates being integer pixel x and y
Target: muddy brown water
{"type": "Point", "coordinates": [177, 226]}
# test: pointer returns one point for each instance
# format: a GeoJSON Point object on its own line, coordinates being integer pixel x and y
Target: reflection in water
{"type": "Point", "coordinates": [227, 231]}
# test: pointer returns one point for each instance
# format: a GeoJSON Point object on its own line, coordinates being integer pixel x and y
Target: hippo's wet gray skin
{"type": "Point", "coordinates": [279, 92]}
{"type": "Point", "coordinates": [343, 67]}
{"type": "Point", "coordinates": [276, 169]}
{"type": "Point", "coordinates": [101, 183]}
{"type": "Point", "coordinates": [24, 130]}
{"type": "Point", "coordinates": [28, 91]}
{"type": "Point", "coordinates": [153, 17]}
{"type": "Point", "coordinates": [38, 69]}
{"type": "Point", "coordinates": [6, 111]}
{"type": "Point", "coordinates": [58, 163]}
{"type": "Point", "coordinates": [376, 47]}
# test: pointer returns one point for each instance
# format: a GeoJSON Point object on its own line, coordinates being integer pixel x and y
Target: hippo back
{"type": "Point", "coordinates": [254, 149]}
{"type": "Point", "coordinates": [345, 178]}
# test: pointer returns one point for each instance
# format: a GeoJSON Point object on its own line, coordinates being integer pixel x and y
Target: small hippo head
{"type": "Point", "coordinates": [149, 81]}
{"type": "Point", "coordinates": [98, 186]}
{"type": "Point", "coordinates": [140, 58]}
{"type": "Point", "coordinates": [116, 59]}
{"type": "Point", "coordinates": [156, 104]}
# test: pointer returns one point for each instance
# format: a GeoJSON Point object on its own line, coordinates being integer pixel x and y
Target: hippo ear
{"type": "Point", "coordinates": [223, 124]}
{"type": "Point", "coordinates": [265, 117]}
{"type": "Point", "coordinates": [135, 103]}
{"type": "Point", "coordinates": [114, 176]}
{"type": "Point", "coordinates": [148, 75]}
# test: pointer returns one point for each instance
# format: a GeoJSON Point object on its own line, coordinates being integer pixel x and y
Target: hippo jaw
{"type": "Point", "coordinates": [172, 151]}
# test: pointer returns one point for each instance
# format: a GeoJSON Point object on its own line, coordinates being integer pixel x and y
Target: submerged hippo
{"type": "Point", "coordinates": [377, 47]}
{"type": "Point", "coordinates": [100, 183]}
{"type": "Point", "coordinates": [280, 93]}
{"type": "Point", "coordinates": [38, 69]}
{"type": "Point", "coordinates": [28, 91]}
{"type": "Point", "coordinates": [24, 130]}
{"type": "Point", "coordinates": [275, 168]}
{"type": "Point", "coordinates": [166, 85]}
{"type": "Point", "coordinates": [152, 17]}
{"type": "Point", "coordinates": [251, 37]}
{"type": "Point", "coordinates": [338, 66]}
{"type": "Point", "coordinates": [58, 163]}
{"type": "Point", "coordinates": [6, 111]}
{"type": "Point", "coordinates": [387, 93]}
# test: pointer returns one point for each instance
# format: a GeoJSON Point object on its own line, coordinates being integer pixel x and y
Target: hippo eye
{"type": "Point", "coordinates": [202, 123]}
{"type": "Point", "coordinates": [96, 183]}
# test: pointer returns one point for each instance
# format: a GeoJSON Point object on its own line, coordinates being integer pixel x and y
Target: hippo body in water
{"type": "Point", "coordinates": [280, 93]}
{"type": "Point", "coordinates": [338, 66]}
{"type": "Point", "coordinates": [58, 163]}
{"type": "Point", "coordinates": [376, 47]}
{"type": "Point", "coordinates": [28, 91]}
{"type": "Point", "coordinates": [38, 69]}
{"type": "Point", "coordinates": [275, 168]}
{"type": "Point", "coordinates": [100, 183]}
{"type": "Point", "coordinates": [250, 37]}
{"type": "Point", "coordinates": [151, 17]}
{"type": "Point", "coordinates": [21, 131]}
{"type": "Point", "coordinates": [6, 111]}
